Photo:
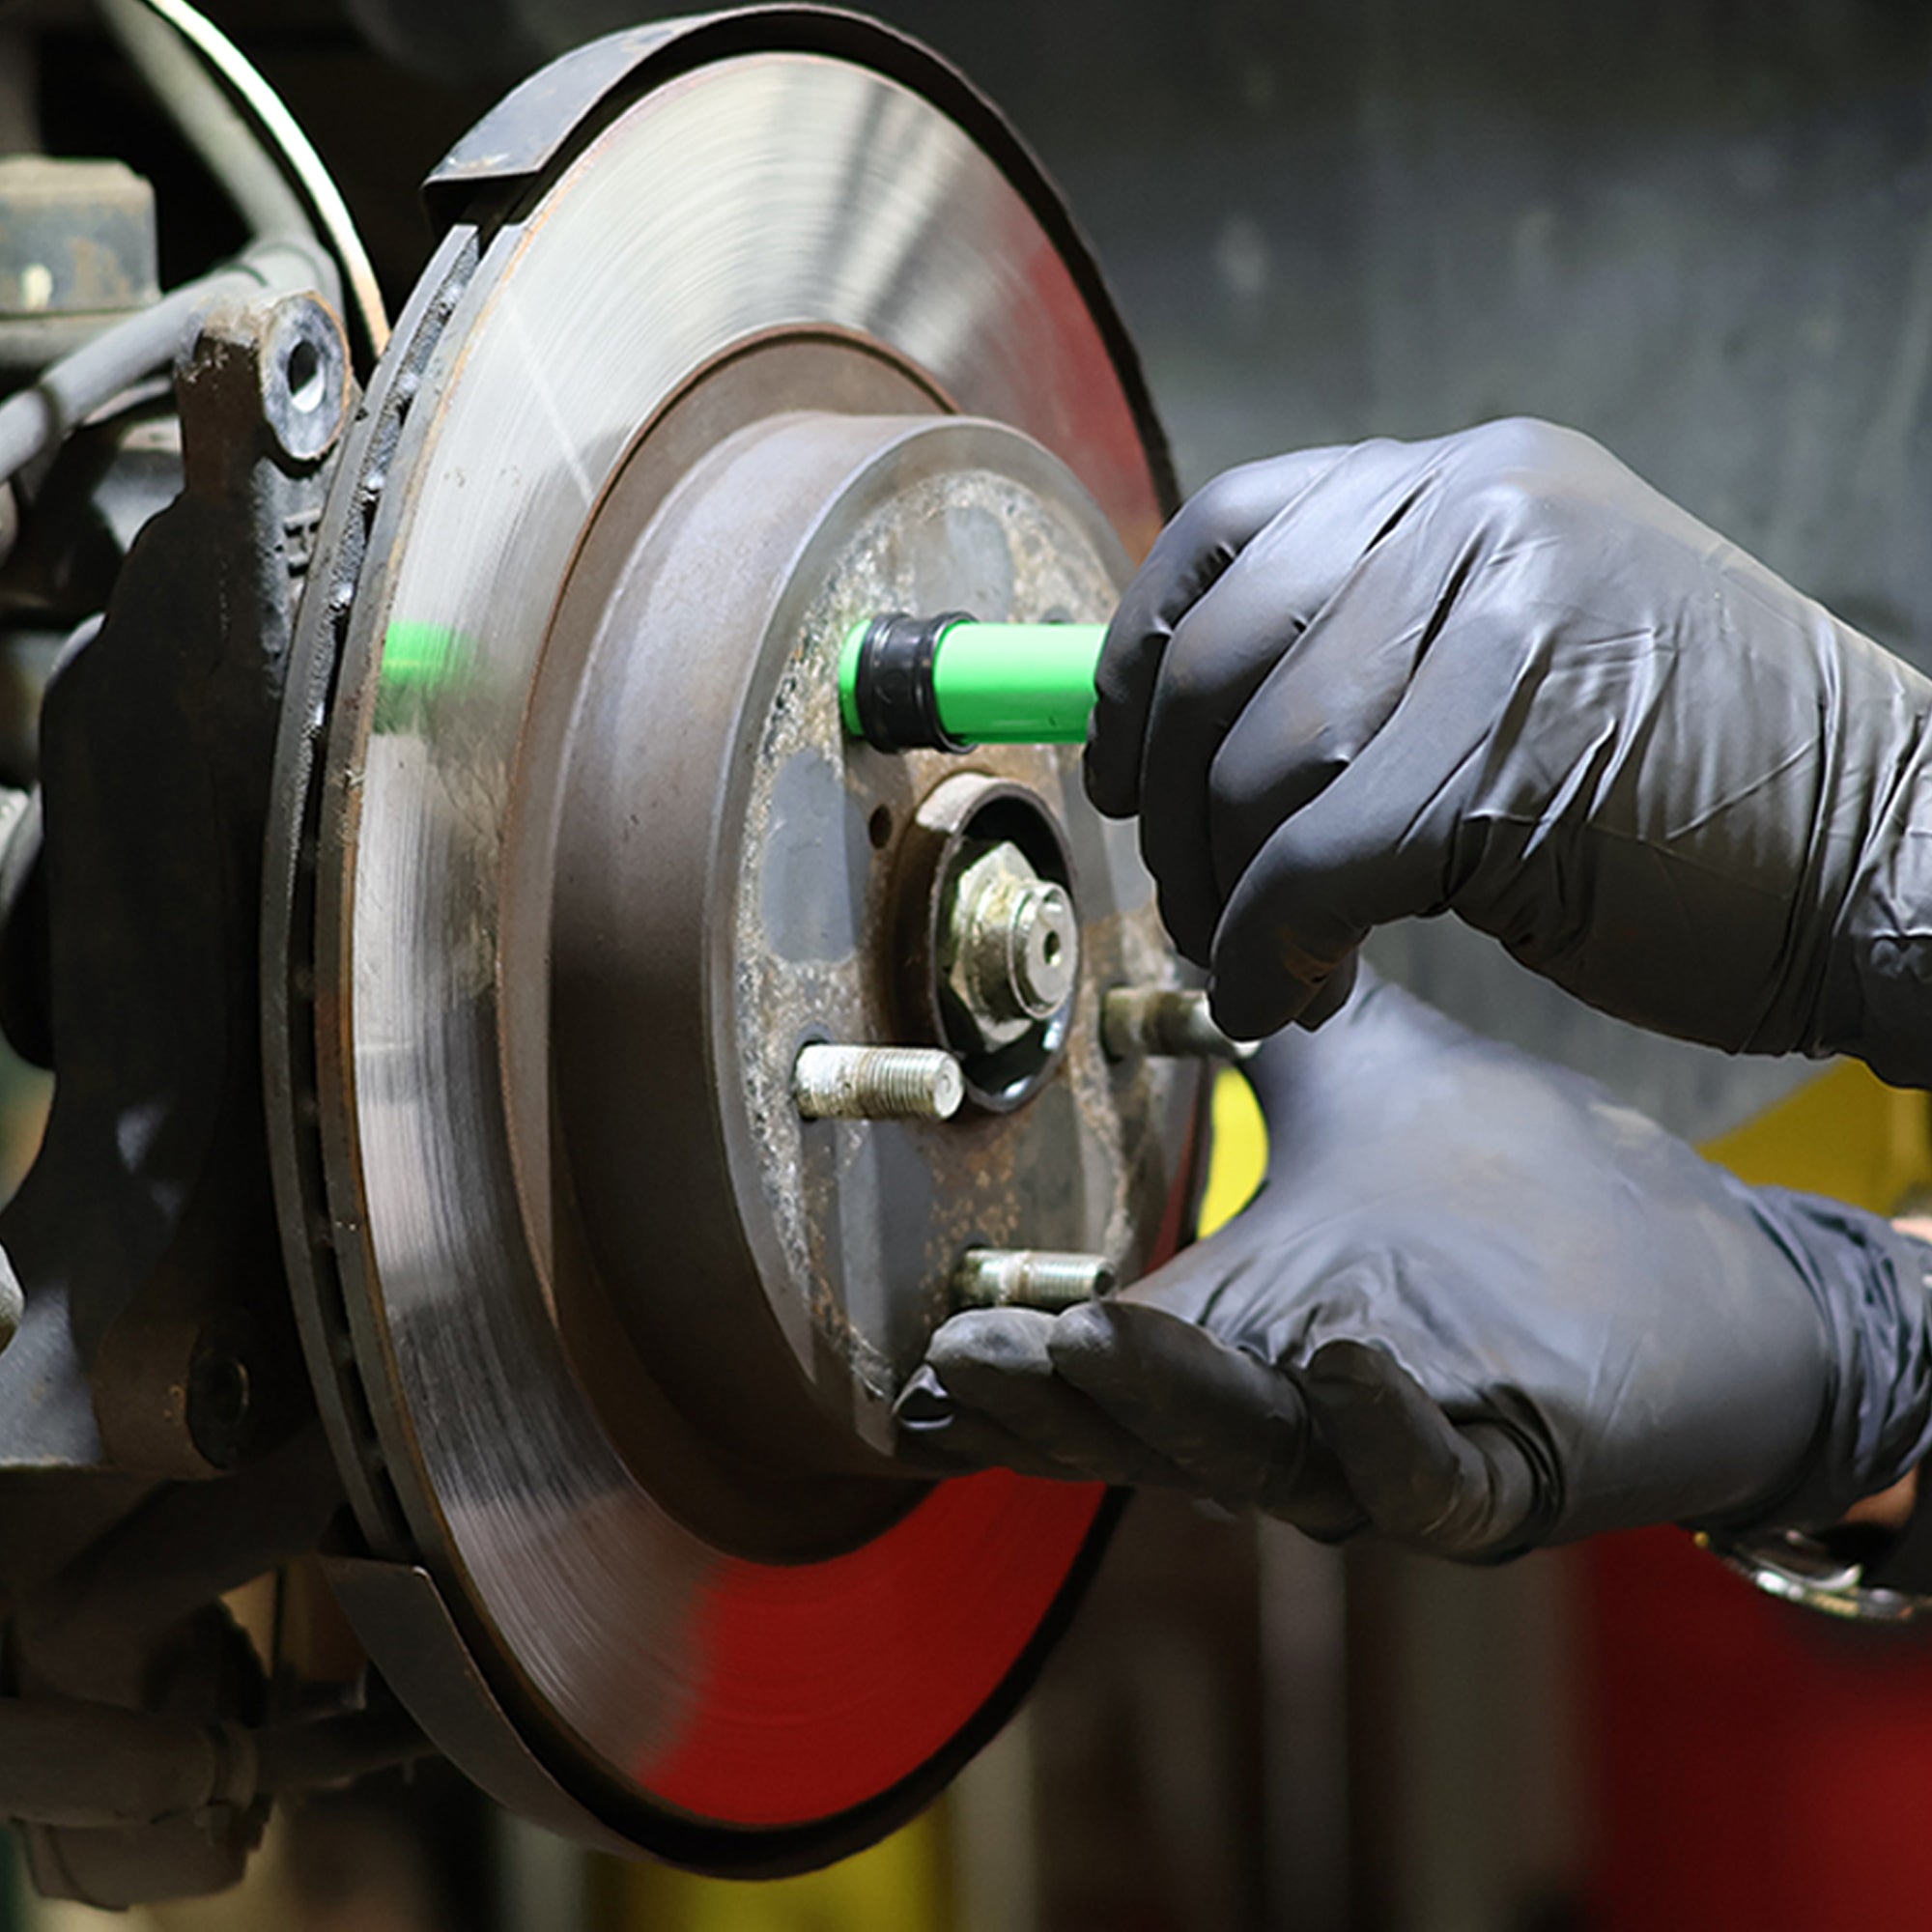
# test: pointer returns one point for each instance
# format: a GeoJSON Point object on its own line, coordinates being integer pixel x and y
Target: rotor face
{"type": "Point", "coordinates": [631, 1419]}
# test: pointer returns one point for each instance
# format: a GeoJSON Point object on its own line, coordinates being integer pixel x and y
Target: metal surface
{"type": "Point", "coordinates": [303, 367]}
{"type": "Point", "coordinates": [710, 872]}
{"type": "Point", "coordinates": [1011, 957]}
{"type": "Point", "coordinates": [766, 233]}
{"type": "Point", "coordinates": [1165, 1020]}
{"type": "Point", "coordinates": [1027, 1278]}
{"type": "Point", "coordinates": [157, 1349]}
{"type": "Point", "coordinates": [876, 1083]}
{"type": "Point", "coordinates": [155, 1327]}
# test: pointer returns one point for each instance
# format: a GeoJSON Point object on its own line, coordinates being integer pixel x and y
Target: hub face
{"type": "Point", "coordinates": [725, 851]}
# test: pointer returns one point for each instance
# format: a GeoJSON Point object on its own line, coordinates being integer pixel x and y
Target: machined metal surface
{"type": "Point", "coordinates": [1012, 954]}
{"type": "Point", "coordinates": [764, 235]}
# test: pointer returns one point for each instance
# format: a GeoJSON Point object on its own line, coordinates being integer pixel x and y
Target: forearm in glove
{"type": "Point", "coordinates": [1478, 1306]}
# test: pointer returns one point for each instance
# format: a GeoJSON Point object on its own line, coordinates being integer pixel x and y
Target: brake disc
{"type": "Point", "coordinates": [749, 327]}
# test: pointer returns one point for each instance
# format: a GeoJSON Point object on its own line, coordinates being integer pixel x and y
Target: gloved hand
{"type": "Point", "coordinates": [1477, 1306]}
{"type": "Point", "coordinates": [1498, 675]}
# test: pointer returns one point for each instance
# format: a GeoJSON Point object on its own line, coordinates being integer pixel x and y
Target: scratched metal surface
{"type": "Point", "coordinates": [758, 193]}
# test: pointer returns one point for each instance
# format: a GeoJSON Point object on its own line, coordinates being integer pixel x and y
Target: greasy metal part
{"type": "Point", "coordinates": [1010, 946]}
{"type": "Point", "coordinates": [146, 1313]}
{"type": "Point", "coordinates": [302, 364]}
{"type": "Point", "coordinates": [90, 1767]}
{"type": "Point", "coordinates": [768, 214]}
{"type": "Point", "coordinates": [876, 1083]}
{"type": "Point", "coordinates": [1173, 1021]}
{"type": "Point", "coordinates": [156, 1347]}
{"type": "Point", "coordinates": [130, 1625]}
{"type": "Point", "coordinates": [306, 1753]}
{"type": "Point", "coordinates": [75, 1763]}
{"type": "Point", "coordinates": [171, 1742]}
{"type": "Point", "coordinates": [825, 1251]}
{"type": "Point", "coordinates": [61, 397]}
{"type": "Point", "coordinates": [1029, 1278]}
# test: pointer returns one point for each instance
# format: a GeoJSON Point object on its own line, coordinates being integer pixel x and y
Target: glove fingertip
{"type": "Point", "coordinates": [1083, 1335]}
{"type": "Point", "coordinates": [1331, 995]}
{"type": "Point", "coordinates": [923, 1401]}
{"type": "Point", "coordinates": [1000, 1339]}
{"type": "Point", "coordinates": [1113, 786]}
{"type": "Point", "coordinates": [1252, 1007]}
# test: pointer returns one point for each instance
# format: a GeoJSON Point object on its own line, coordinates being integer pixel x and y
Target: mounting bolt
{"type": "Point", "coordinates": [877, 1083]}
{"type": "Point", "coordinates": [1166, 1023]}
{"type": "Point", "coordinates": [1028, 1278]}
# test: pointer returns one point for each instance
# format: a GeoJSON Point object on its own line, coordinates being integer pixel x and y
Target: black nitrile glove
{"type": "Point", "coordinates": [1477, 1306]}
{"type": "Point", "coordinates": [1496, 674]}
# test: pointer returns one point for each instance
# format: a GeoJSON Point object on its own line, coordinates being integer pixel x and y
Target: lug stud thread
{"type": "Point", "coordinates": [877, 1083]}
{"type": "Point", "coordinates": [1029, 1278]}
{"type": "Point", "coordinates": [1164, 1023]}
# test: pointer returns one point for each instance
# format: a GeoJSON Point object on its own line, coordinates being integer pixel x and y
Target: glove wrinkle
{"type": "Point", "coordinates": [1463, 1492]}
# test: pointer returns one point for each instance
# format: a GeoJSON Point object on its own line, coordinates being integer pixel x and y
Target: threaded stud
{"type": "Point", "coordinates": [877, 1083]}
{"type": "Point", "coordinates": [1164, 1022]}
{"type": "Point", "coordinates": [1028, 1278]}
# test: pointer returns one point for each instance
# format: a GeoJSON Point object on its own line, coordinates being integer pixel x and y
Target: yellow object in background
{"type": "Point", "coordinates": [1846, 1134]}
{"type": "Point", "coordinates": [900, 1884]}
{"type": "Point", "coordinates": [1238, 1153]}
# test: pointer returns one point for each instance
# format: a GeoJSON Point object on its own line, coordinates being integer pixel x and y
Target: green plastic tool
{"type": "Point", "coordinates": [942, 683]}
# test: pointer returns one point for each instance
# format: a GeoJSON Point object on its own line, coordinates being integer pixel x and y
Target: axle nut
{"type": "Point", "coordinates": [1013, 944]}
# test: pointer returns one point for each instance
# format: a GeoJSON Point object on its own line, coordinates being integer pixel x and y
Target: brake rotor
{"type": "Point", "coordinates": [757, 325]}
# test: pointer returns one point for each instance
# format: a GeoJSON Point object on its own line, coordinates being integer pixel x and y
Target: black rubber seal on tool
{"type": "Point", "coordinates": [891, 688]}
